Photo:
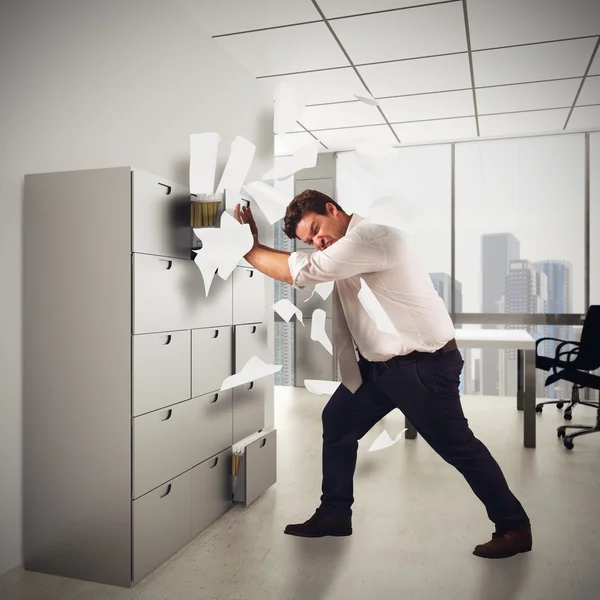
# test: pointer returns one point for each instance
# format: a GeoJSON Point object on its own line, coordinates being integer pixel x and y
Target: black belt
{"type": "Point", "coordinates": [417, 355]}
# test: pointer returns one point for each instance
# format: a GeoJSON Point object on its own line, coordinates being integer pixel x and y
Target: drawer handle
{"type": "Point", "coordinates": [216, 334]}
{"type": "Point", "coordinates": [167, 492]}
{"type": "Point", "coordinates": [250, 385]}
{"type": "Point", "coordinates": [167, 339]}
{"type": "Point", "coordinates": [168, 263]}
{"type": "Point", "coordinates": [166, 186]}
{"type": "Point", "coordinates": [250, 273]}
{"type": "Point", "coordinates": [253, 329]}
{"type": "Point", "coordinates": [246, 202]}
{"type": "Point", "coordinates": [215, 463]}
{"type": "Point", "coordinates": [263, 442]}
{"type": "Point", "coordinates": [168, 412]}
{"type": "Point", "coordinates": [215, 398]}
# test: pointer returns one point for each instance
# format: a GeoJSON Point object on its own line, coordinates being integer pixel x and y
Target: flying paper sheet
{"type": "Point", "coordinates": [208, 269]}
{"type": "Point", "coordinates": [254, 369]}
{"type": "Point", "coordinates": [288, 108]}
{"type": "Point", "coordinates": [374, 309]}
{"type": "Point", "coordinates": [367, 100]}
{"type": "Point", "coordinates": [393, 211]}
{"type": "Point", "coordinates": [323, 289]}
{"type": "Point", "coordinates": [272, 202]}
{"type": "Point", "coordinates": [303, 158]}
{"type": "Point", "coordinates": [225, 246]}
{"type": "Point", "coordinates": [321, 386]}
{"type": "Point", "coordinates": [385, 441]}
{"type": "Point", "coordinates": [286, 310]}
{"type": "Point", "coordinates": [203, 162]}
{"type": "Point", "coordinates": [238, 165]}
{"type": "Point", "coordinates": [317, 329]}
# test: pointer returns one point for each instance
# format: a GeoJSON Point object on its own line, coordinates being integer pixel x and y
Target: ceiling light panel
{"type": "Point", "coordinates": [330, 116]}
{"type": "Point", "coordinates": [494, 23]}
{"type": "Point", "coordinates": [291, 142]}
{"type": "Point", "coordinates": [585, 117]}
{"type": "Point", "coordinates": [434, 131]}
{"type": "Point", "coordinates": [429, 106]}
{"type": "Point", "coordinates": [287, 50]}
{"type": "Point", "coordinates": [524, 122]}
{"type": "Point", "coordinates": [532, 63]}
{"type": "Point", "coordinates": [318, 87]}
{"type": "Point", "coordinates": [590, 92]}
{"type": "Point", "coordinates": [339, 139]}
{"type": "Point", "coordinates": [231, 16]}
{"type": "Point", "coordinates": [343, 8]}
{"type": "Point", "coordinates": [595, 68]}
{"type": "Point", "coordinates": [527, 96]}
{"type": "Point", "coordinates": [420, 31]}
{"type": "Point", "coordinates": [418, 76]}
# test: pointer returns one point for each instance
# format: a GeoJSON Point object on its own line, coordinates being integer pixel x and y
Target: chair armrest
{"type": "Point", "coordinates": [562, 343]}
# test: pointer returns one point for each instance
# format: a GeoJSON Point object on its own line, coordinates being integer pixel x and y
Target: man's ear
{"type": "Point", "coordinates": [331, 209]}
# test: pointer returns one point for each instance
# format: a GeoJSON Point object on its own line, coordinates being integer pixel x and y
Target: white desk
{"type": "Point", "coordinates": [507, 339]}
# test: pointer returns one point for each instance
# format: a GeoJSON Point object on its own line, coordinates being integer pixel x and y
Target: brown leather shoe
{"type": "Point", "coordinates": [320, 525]}
{"type": "Point", "coordinates": [503, 545]}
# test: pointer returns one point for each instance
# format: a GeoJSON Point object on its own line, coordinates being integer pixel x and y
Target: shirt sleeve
{"type": "Point", "coordinates": [354, 254]}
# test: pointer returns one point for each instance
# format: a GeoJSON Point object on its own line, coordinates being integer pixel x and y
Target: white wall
{"type": "Point", "coordinates": [86, 84]}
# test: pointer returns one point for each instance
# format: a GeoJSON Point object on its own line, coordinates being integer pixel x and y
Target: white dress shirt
{"type": "Point", "coordinates": [400, 282]}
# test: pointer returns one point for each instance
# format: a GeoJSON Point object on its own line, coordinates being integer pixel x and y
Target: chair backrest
{"type": "Point", "coordinates": [588, 357]}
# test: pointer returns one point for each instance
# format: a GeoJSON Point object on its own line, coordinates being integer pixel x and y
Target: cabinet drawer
{"type": "Point", "coordinates": [161, 370]}
{"type": "Point", "coordinates": [249, 407]}
{"type": "Point", "coordinates": [211, 491]}
{"type": "Point", "coordinates": [162, 446]}
{"type": "Point", "coordinates": [161, 221]}
{"type": "Point", "coordinates": [211, 424]}
{"type": "Point", "coordinates": [258, 469]}
{"type": "Point", "coordinates": [250, 340]}
{"type": "Point", "coordinates": [248, 295]}
{"type": "Point", "coordinates": [161, 524]}
{"type": "Point", "coordinates": [212, 359]}
{"type": "Point", "coordinates": [169, 295]}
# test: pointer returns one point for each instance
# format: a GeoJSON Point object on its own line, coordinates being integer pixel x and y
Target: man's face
{"type": "Point", "coordinates": [321, 231]}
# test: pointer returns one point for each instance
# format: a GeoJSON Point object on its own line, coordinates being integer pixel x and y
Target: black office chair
{"type": "Point", "coordinates": [582, 379]}
{"type": "Point", "coordinates": [585, 356]}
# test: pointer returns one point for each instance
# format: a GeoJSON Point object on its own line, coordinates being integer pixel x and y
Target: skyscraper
{"type": "Point", "coordinates": [443, 286]}
{"type": "Point", "coordinates": [497, 250]}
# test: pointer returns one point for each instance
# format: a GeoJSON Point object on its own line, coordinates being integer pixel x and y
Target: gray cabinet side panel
{"type": "Point", "coordinates": [77, 374]}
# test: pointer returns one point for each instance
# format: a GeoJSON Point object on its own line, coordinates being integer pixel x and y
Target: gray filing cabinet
{"type": "Point", "coordinates": [127, 438]}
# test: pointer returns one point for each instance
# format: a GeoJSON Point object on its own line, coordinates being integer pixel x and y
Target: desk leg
{"type": "Point", "coordinates": [411, 432]}
{"type": "Point", "coordinates": [529, 400]}
{"type": "Point", "coordinates": [520, 381]}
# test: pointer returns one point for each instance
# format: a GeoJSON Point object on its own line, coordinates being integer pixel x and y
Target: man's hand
{"type": "Point", "coordinates": [244, 215]}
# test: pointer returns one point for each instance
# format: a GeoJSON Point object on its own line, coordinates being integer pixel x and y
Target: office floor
{"type": "Point", "coordinates": [415, 524]}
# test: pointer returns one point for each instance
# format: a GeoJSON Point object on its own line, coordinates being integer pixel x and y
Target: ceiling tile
{"type": "Point", "coordinates": [291, 142]}
{"type": "Point", "coordinates": [339, 8]}
{"type": "Point", "coordinates": [532, 63]}
{"type": "Point", "coordinates": [343, 139]}
{"type": "Point", "coordinates": [422, 31]}
{"type": "Point", "coordinates": [527, 96]}
{"type": "Point", "coordinates": [418, 76]}
{"type": "Point", "coordinates": [585, 117]}
{"type": "Point", "coordinates": [493, 23]}
{"type": "Point", "coordinates": [318, 87]}
{"type": "Point", "coordinates": [349, 114]}
{"type": "Point", "coordinates": [590, 92]}
{"type": "Point", "coordinates": [525, 122]}
{"type": "Point", "coordinates": [288, 50]}
{"type": "Point", "coordinates": [595, 68]}
{"type": "Point", "coordinates": [431, 131]}
{"type": "Point", "coordinates": [230, 16]}
{"type": "Point", "coordinates": [428, 106]}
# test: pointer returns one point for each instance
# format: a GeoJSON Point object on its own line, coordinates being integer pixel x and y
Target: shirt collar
{"type": "Point", "coordinates": [354, 221]}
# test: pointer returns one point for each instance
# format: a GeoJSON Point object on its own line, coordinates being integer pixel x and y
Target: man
{"type": "Point", "coordinates": [416, 370]}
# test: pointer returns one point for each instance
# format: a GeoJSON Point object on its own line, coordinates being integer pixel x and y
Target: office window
{"type": "Point", "coordinates": [595, 218]}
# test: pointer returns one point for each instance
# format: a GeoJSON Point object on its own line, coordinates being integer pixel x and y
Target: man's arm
{"type": "Point", "coordinates": [273, 263]}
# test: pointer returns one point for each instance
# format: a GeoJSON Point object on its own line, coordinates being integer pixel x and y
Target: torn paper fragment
{"type": "Point", "coordinates": [207, 268]}
{"type": "Point", "coordinates": [303, 158]}
{"type": "Point", "coordinates": [393, 211]}
{"type": "Point", "coordinates": [323, 289]}
{"type": "Point", "coordinates": [286, 310]}
{"type": "Point", "coordinates": [203, 162]}
{"type": "Point", "coordinates": [374, 309]}
{"type": "Point", "coordinates": [317, 330]}
{"type": "Point", "coordinates": [321, 386]}
{"type": "Point", "coordinates": [367, 100]}
{"type": "Point", "coordinates": [287, 109]}
{"type": "Point", "coordinates": [238, 165]}
{"type": "Point", "coordinates": [254, 369]}
{"type": "Point", "coordinates": [385, 441]}
{"type": "Point", "coordinates": [272, 202]}
{"type": "Point", "coordinates": [225, 246]}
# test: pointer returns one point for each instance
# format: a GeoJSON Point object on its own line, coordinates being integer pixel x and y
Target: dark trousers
{"type": "Point", "coordinates": [426, 391]}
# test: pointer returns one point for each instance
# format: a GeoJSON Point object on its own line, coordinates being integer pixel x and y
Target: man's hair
{"type": "Point", "coordinates": [308, 201]}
